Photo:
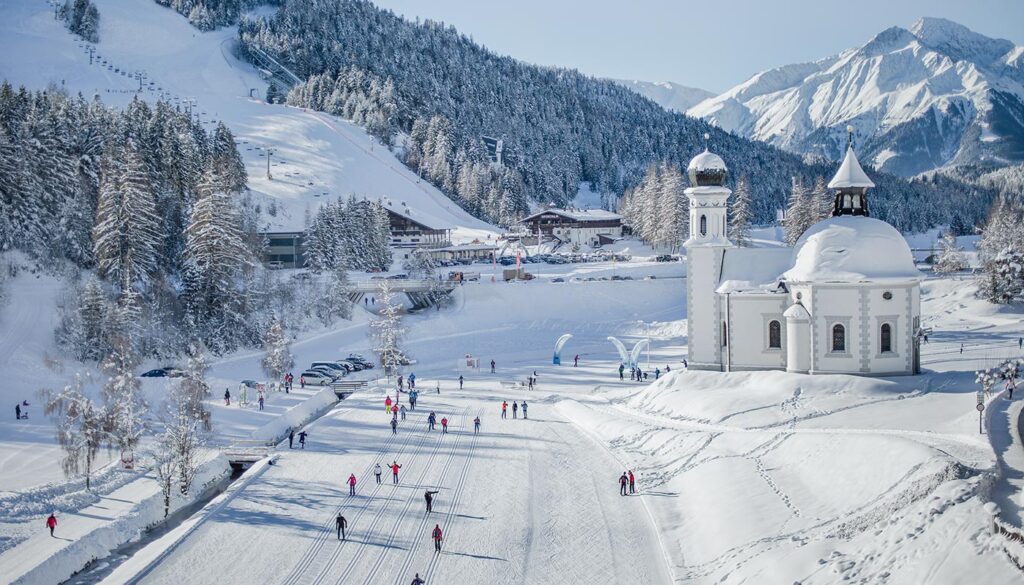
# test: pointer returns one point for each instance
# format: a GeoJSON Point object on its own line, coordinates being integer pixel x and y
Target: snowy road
{"type": "Point", "coordinates": [526, 501]}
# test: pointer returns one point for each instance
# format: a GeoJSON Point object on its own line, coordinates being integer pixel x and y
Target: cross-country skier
{"type": "Point", "coordinates": [429, 497]}
{"type": "Point", "coordinates": [576, 360]}
{"type": "Point", "coordinates": [418, 581]}
{"type": "Point", "coordinates": [623, 482]}
{"type": "Point", "coordinates": [352, 484]}
{"type": "Point", "coordinates": [504, 409]}
{"type": "Point", "coordinates": [342, 524]}
{"type": "Point", "coordinates": [437, 536]}
{"type": "Point", "coordinates": [394, 426]}
{"type": "Point", "coordinates": [632, 482]}
{"type": "Point", "coordinates": [431, 419]}
{"type": "Point", "coordinates": [227, 397]}
{"type": "Point", "coordinates": [387, 405]}
{"type": "Point", "coordinates": [17, 411]}
{"type": "Point", "coordinates": [402, 411]}
{"type": "Point", "coordinates": [291, 438]}
{"type": "Point", "coordinates": [376, 472]}
{"type": "Point", "coordinates": [476, 425]}
{"type": "Point", "coordinates": [444, 425]}
{"type": "Point", "coordinates": [394, 470]}
{"type": "Point", "coordinates": [412, 381]}
{"type": "Point", "coordinates": [492, 366]}
{"type": "Point", "coordinates": [622, 369]}
{"type": "Point", "coordinates": [524, 410]}
{"type": "Point", "coordinates": [657, 373]}
{"type": "Point", "coordinates": [401, 382]}
{"type": "Point", "coordinates": [51, 523]}
{"type": "Point", "coordinates": [461, 380]}
{"type": "Point", "coordinates": [302, 439]}
{"type": "Point", "coordinates": [515, 409]}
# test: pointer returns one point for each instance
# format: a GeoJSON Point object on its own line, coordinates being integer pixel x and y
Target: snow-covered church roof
{"type": "Point", "coordinates": [753, 269]}
{"type": "Point", "coordinates": [850, 173]}
{"type": "Point", "coordinates": [852, 249]}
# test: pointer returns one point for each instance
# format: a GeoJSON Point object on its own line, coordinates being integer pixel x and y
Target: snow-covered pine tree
{"type": "Point", "coordinates": [823, 200]}
{"type": "Point", "coordinates": [387, 331]}
{"type": "Point", "coordinates": [1004, 277]}
{"type": "Point", "coordinates": [950, 257]}
{"type": "Point", "coordinates": [334, 299]}
{"type": "Point", "coordinates": [1003, 229]}
{"type": "Point", "coordinates": [799, 214]}
{"type": "Point", "coordinates": [194, 386]}
{"type": "Point", "coordinates": [740, 216]}
{"type": "Point", "coordinates": [127, 235]}
{"type": "Point", "coordinates": [165, 464]}
{"type": "Point", "coordinates": [378, 237]}
{"type": "Point", "coordinates": [229, 171]}
{"type": "Point", "coordinates": [92, 342]}
{"type": "Point", "coordinates": [674, 216]}
{"type": "Point", "coordinates": [125, 407]}
{"type": "Point", "coordinates": [79, 425]}
{"type": "Point", "coordinates": [277, 357]}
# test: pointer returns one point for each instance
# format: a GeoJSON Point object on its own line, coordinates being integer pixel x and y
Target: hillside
{"type": "Point", "coordinates": [934, 95]}
{"type": "Point", "coordinates": [315, 156]}
{"type": "Point", "coordinates": [435, 85]}
{"type": "Point", "coordinates": [669, 95]}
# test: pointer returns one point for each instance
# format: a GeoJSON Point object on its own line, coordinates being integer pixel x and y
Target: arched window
{"type": "Point", "coordinates": [886, 337]}
{"type": "Point", "coordinates": [774, 335]}
{"type": "Point", "coordinates": [703, 225]}
{"type": "Point", "coordinates": [838, 338]}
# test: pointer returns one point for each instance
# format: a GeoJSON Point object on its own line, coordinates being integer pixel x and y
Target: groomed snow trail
{"type": "Point", "coordinates": [524, 501]}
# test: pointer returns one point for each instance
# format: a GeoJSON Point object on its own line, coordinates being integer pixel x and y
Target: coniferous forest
{"type": "Point", "coordinates": [440, 92]}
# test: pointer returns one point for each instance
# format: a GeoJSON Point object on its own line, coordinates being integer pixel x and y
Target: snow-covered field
{"type": "Point", "coordinates": [741, 478]}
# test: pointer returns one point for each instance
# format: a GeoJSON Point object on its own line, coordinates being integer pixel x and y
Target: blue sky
{"type": "Point", "coordinates": [713, 45]}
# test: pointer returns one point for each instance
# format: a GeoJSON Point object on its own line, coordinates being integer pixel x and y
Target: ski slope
{"type": "Point", "coordinates": [315, 157]}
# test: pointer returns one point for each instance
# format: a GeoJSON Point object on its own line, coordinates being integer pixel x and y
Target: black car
{"type": "Point", "coordinates": [157, 373]}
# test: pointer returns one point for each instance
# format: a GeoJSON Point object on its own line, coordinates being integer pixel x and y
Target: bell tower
{"type": "Point", "coordinates": [705, 247]}
{"type": "Point", "coordinates": [851, 184]}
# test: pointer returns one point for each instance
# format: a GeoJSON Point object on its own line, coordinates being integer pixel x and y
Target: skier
{"type": "Point", "coordinates": [291, 437]}
{"type": "Point", "coordinates": [657, 373]}
{"type": "Point", "coordinates": [387, 405]}
{"type": "Point", "coordinates": [622, 369]}
{"type": "Point", "coordinates": [402, 410]}
{"type": "Point", "coordinates": [394, 426]}
{"type": "Point", "coordinates": [418, 581]}
{"type": "Point", "coordinates": [51, 523]}
{"type": "Point", "coordinates": [376, 472]}
{"type": "Point", "coordinates": [302, 439]}
{"type": "Point", "coordinates": [668, 368]}
{"type": "Point", "coordinates": [17, 411]}
{"type": "Point", "coordinates": [227, 397]}
{"type": "Point", "coordinates": [438, 387]}
{"type": "Point", "coordinates": [529, 382]}
{"type": "Point", "coordinates": [366, 301]}
{"type": "Point", "coordinates": [373, 301]}
{"type": "Point", "coordinates": [352, 484]}
{"type": "Point", "coordinates": [342, 524]}
{"type": "Point", "coordinates": [524, 410]}
{"type": "Point", "coordinates": [412, 381]}
{"type": "Point", "coordinates": [1020, 342]}
{"type": "Point", "coordinates": [444, 425]}
{"type": "Point", "coordinates": [413, 397]}
{"type": "Point", "coordinates": [302, 381]}
{"type": "Point", "coordinates": [645, 376]}
{"type": "Point", "coordinates": [401, 382]}
{"type": "Point", "coordinates": [461, 380]}
{"type": "Point", "coordinates": [632, 373]}
{"type": "Point", "coordinates": [961, 349]}
{"type": "Point", "coordinates": [576, 361]}
{"type": "Point", "coordinates": [261, 401]}
{"type": "Point", "coordinates": [437, 536]}
{"type": "Point", "coordinates": [492, 366]}
{"type": "Point", "coordinates": [504, 409]}
{"type": "Point", "coordinates": [394, 410]}
{"type": "Point", "coordinates": [394, 470]}
{"type": "Point", "coordinates": [632, 482]}
{"type": "Point", "coordinates": [515, 409]}
{"type": "Point", "coordinates": [476, 425]}
{"type": "Point", "coordinates": [623, 481]}
{"type": "Point", "coordinates": [429, 497]}
{"type": "Point", "coordinates": [431, 419]}
{"type": "Point", "coordinates": [686, 366]}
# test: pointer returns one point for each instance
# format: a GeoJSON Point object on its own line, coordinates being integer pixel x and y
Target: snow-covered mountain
{"type": "Point", "coordinates": [669, 95]}
{"type": "Point", "coordinates": [937, 94]}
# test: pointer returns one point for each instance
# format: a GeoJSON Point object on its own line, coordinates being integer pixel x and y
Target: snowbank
{"type": "Point", "coordinates": [297, 416]}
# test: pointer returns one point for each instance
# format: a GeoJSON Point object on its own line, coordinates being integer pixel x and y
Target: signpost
{"type": "Point", "coordinates": [981, 411]}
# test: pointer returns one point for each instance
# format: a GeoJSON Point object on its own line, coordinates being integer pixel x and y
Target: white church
{"type": "Point", "coordinates": [846, 299]}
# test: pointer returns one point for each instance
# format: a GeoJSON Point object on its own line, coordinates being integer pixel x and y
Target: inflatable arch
{"type": "Point", "coordinates": [558, 348]}
{"type": "Point", "coordinates": [634, 357]}
{"type": "Point", "coordinates": [624, 357]}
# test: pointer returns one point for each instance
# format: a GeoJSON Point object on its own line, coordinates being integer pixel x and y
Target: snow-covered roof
{"type": "Point", "coordinates": [578, 214]}
{"type": "Point", "coordinates": [850, 174]}
{"type": "Point", "coordinates": [753, 269]}
{"type": "Point", "coordinates": [468, 247]}
{"type": "Point", "coordinates": [797, 312]}
{"type": "Point", "coordinates": [706, 161]}
{"type": "Point", "coordinates": [410, 213]}
{"type": "Point", "coordinates": [852, 249]}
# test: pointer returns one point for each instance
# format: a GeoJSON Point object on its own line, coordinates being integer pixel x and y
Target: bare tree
{"type": "Point", "coordinates": [79, 423]}
{"type": "Point", "coordinates": [184, 434]}
{"type": "Point", "coordinates": [125, 407]}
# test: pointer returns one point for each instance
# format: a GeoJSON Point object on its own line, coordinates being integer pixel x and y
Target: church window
{"type": "Point", "coordinates": [838, 338]}
{"type": "Point", "coordinates": [886, 337]}
{"type": "Point", "coordinates": [774, 335]}
{"type": "Point", "coordinates": [703, 225]}
{"type": "Point", "coordinates": [887, 295]}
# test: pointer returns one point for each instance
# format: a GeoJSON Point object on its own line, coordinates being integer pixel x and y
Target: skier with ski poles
{"type": "Point", "coordinates": [515, 409]}
{"type": "Point", "coordinates": [431, 419]}
{"type": "Point", "coordinates": [623, 482]}
{"type": "Point", "coordinates": [51, 523]}
{"type": "Point", "coordinates": [352, 484]}
{"type": "Point", "coordinates": [524, 410]}
{"type": "Point", "coordinates": [476, 425]}
{"type": "Point", "coordinates": [376, 472]}
{"type": "Point", "coordinates": [437, 536]}
{"type": "Point", "coordinates": [632, 482]}
{"type": "Point", "coordinates": [394, 426]}
{"type": "Point", "coordinates": [461, 380]}
{"type": "Point", "coordinates": [504, 409]}
{"type": "Point", "coordinates": [291, 438]}
{"type": "Point", "coordinates": [418, 581]}
{"type": "Point", "coordinates": [429, 497]}
{"type": "Point", "coordinates": [394, 471]}
{"type": "Point", "coordinates": [302, 439]}
{"type": "Point", "coordinates": [402, 411]}
{"type": "Point", "coordinates": [444, 425]}
{"type": "Point", "coordinates": [341, 524]}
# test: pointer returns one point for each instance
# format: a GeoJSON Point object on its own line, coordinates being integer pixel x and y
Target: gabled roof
{"type": "Point", "coordinates": [407, 213]}
{"type": "Point", "coordinates": [850, 173]}
{"type": "Point", "coordinates": [753, 269]}
{"type": "Point", "coordinates": [577, 214]}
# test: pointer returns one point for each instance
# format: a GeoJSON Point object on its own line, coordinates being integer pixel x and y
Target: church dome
{"type": "Point", "coordinates": [852, 249]}
{"type": "Point", "coordinates": [707, 170]}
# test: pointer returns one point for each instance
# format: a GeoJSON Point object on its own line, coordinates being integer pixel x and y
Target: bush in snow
{"type": "Point", "coordinates": [951, 257]}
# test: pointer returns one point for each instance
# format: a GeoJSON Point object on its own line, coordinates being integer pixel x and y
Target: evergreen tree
{"type": "Point", "coordinates": [799, 214]}
{"type": "Point", "coordinates": [126, 409]}
{"type": "Point", "coordinates": [739, 220]}
{"type": "Point", "coordinates": [387, 331]}
{"type": "Point", "coordinates": [951, 257]}
{"type": "Point", "coordinates": [823, 200]}
{"type": "Point", "coordinates": [1004, 277]}
{"type": "Point", "coordinates": [278, 358]}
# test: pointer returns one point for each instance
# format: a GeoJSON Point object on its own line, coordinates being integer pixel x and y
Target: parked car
{"type": "Point", "coordinates": [666, 258]}
{"type": "Point", "coordinates": [157, 373]}
{"type": "Point", "coordinates": [558, 279]}
{"type": "Point", "coordinates": [349, 367]}
{"type": "Point", "coordinates": [399, 277]}
{"type": "Point", "coordinates": [329, 372]}
{"type": "Point", "coordinates": [341, 370]}
{"type": "Point", "coordinates": [356, 366]}
{"type": "Point", "coordinates": [314, 378]}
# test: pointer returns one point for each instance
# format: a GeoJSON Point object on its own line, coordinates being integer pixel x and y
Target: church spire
{"type": "Point", "coordinates": [851, 183]}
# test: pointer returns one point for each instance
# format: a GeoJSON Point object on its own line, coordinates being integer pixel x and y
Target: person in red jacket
{"type": "Point", "coordinates": [444, 425]}
{"type": "Point", "coordinates": [504, 409]}
{"type": "Point", "coordinates": [437, 536]}
{"type": "Point", "coordinates": [394, 471]}
{"type": "Point", "coordinates": [352, 485]}
{"type": "Point", "coordinates": [632, 482]}
{"type": "Point", "coordinates": [51, 523]}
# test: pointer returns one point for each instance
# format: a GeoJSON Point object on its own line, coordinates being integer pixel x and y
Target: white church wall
{"type": "Point", "coordinates": [702, 307]}
{"type": "Point", "coordinates": [749, 317]}
{"type": "Point", "coordinates": [830, 307]}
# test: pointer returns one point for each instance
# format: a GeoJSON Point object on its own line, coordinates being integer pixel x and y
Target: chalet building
{"type": "Point", "coordinates": [471, 251]}
{"type": "Point", "coordinates": [283, 250]}
{"type": "Point", "coordinates": [580, 227]}
{"type": "Point", "coordinates": [407, 232]}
